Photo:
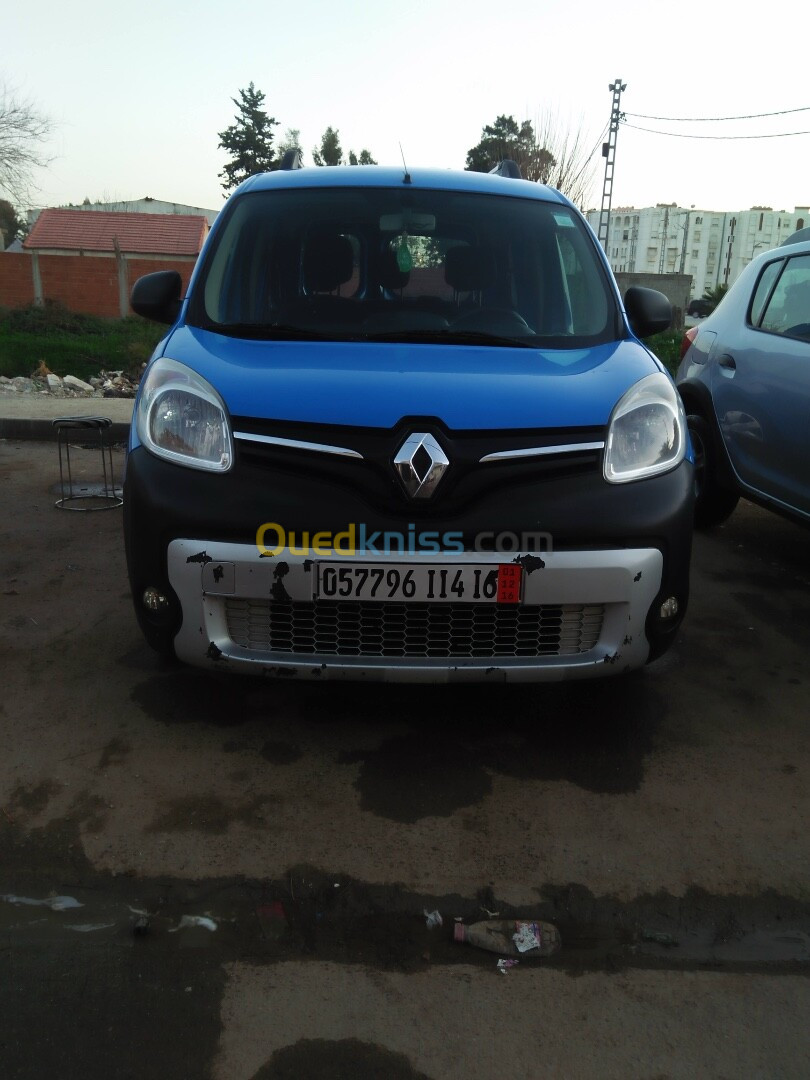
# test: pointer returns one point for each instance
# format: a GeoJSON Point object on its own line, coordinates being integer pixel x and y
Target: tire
{"type": "Point", "coordinates": [713, 504]}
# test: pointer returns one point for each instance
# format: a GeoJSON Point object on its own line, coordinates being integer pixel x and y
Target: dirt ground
{"type": "Point", "coordinates": [230, 876]}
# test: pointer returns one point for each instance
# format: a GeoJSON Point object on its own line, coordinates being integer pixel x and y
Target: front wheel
{"type": "Point", "coordinates": [713, 503]}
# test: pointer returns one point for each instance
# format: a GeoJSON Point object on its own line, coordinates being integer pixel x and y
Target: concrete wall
{"type": "Point", "coordinates": [676, 287]}
{"type": "Point", "coordinates": [97, 284]}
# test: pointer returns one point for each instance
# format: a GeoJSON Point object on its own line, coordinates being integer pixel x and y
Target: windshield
{"type": "Point", "coordinates": [404, 264]}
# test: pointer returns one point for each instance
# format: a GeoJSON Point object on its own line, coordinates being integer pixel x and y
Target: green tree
{"type": "Point", "coordinates": [11, 226]}
{"type": "Point", "coordinates": [330, 152]}
{"type": "Point", "coordinates": [364, 159]}
{"type": "Point", "coordinates": [508, 139]}
{"type": "Point", "coordinates": [249, 141]}
{"type": "Point", "coordinates": [715, 295]}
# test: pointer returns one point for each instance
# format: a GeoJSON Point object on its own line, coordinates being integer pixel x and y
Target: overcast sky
{"type": "Point", "coordinates": [139, 92]}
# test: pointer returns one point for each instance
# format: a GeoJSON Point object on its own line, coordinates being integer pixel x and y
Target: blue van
{"type": "Point", "coordinates": [402, 427]}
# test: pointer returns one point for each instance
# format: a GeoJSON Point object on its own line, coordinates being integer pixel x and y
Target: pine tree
{"type": "Point", "coordinates": [249, 141]}
{"type": "Point", "coordinates": [330, 152]}
{"type": "Point", "coordinates": [507, 139]}
{"type": "Point", "coordinates": [364, 159]}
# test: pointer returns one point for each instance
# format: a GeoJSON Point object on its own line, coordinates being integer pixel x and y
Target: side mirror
{"type": "Point", "coordinates": [648, 310]}
{"type": "Point", "coordinates": [157, 296]}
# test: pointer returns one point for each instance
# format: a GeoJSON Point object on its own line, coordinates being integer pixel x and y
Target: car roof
{"type": "Point", "coordinates": [799, 237]}
{"type": "Point", "coordinates": [360, 176]}
{"type": "Point", "coordinates": [786, 248]}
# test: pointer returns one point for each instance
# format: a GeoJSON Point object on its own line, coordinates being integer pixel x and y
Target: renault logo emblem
{"type": "Point", "coordinates": [420, 464]}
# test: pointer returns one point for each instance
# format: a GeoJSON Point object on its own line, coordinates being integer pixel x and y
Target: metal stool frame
{"type": "Point", "coordinates": [66, 426]}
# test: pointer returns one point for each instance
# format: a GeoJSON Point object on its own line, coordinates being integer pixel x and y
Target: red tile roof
{"type": "Point", "coordinates": [137, 234]}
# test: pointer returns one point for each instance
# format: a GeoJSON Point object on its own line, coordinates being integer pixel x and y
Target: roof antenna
{"type": "Point", "coordinates": [406, 179]}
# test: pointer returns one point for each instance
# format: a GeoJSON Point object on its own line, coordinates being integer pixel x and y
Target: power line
{"type": "Point", "coordinates": [598, 142]}
{"type": "Point", "coordinates": [716, 119]}
{"type": "Point", "coordinates": [681, 135]}
{"type": "Point", "coordinates": [587, 160]}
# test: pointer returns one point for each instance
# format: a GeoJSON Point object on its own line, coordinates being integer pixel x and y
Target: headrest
{"type": "Point", "coordinates": [468, 269]}
{"type": "Point", "coordinates": [328, 261]}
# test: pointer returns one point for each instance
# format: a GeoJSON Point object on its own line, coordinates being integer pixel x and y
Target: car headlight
{"type": "Point", "coordinates": [647, 431]}
{"type": "Point", "coordinates": [182, 418]}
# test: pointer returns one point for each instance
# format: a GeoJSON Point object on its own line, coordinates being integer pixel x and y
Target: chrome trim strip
{"type": "Point", "coordinates": [297, 444]}
{"type": "Point", "coordinates": [542, 451]}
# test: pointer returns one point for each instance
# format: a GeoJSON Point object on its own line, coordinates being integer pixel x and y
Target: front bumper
{"type": "Point", "coordinates": [621, 549]}
{"type": "Point", "coordinates": [582, 615]}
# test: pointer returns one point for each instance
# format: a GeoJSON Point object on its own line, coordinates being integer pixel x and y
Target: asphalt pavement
{"type": "Point", "coordinates": [210, 876]}
{"type": "Point", "coordinates": [31, 416]}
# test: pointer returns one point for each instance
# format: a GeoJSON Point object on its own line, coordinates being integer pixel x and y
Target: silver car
{"type": "Point", "coordinates": [745, 382]}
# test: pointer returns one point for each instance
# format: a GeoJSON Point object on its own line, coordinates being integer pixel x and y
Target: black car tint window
{"type": "Point", "coordinates": [788, 310]}
{"type": "Point", "coordinates": [763, 290]}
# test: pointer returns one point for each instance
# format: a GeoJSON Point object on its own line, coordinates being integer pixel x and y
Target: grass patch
{"type": "Point", "coordinates": [667, 347]}
{"type": "Point", "coordinates": [72, 344]}
{"type": "Point", "coordinates": [83, 345]}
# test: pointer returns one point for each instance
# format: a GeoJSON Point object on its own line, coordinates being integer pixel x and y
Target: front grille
{"type": "Point", "coordinates": [467, 483]}
{"type": "Point", "coordinates": [342, 628]}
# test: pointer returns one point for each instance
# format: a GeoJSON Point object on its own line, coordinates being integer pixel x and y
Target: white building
{"type": "Point", "coordinates": [712, 246]}
{"type": "Point", "coordinates": [146, 205]}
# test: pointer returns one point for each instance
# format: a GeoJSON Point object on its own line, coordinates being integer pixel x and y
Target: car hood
{"type": "Point", "coordinates": [372, 384]}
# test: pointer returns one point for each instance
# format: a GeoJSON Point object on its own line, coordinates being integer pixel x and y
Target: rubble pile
{"type": "Point", "coordinates": [107, 384]}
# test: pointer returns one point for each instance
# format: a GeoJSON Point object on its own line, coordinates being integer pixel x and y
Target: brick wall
{"type": "Point", "coordinates": [84, 283]}
{"type": "Point", "coordinates": [138, 267]}
{"type": "Point", "coordinates": [16, 280]}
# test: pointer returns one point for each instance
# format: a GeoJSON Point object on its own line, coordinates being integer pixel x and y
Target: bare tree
{"type": "Point", "coordinates": [550, 151]}
{"type": "Point", "coordinates": [23, 132]}
{"type": "Point", "coordinates": [290, 141]}
{"type": "Point", "coordinates": [570, 162]}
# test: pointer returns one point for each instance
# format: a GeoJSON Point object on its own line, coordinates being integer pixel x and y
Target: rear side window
{"type": "Point", "coordinates": [763, 290]}
{"type": "Point", "coordinates": [378, 263]}
{"type": "Point", "coordinates": [787, 310]}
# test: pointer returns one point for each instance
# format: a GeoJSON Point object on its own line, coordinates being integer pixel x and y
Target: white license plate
{"type": "Point", "coordinates": [469, 583]}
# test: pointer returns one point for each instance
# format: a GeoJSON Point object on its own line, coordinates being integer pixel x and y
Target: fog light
{"type": "Point", "coordinates": [154, 600]}
{"type": "Point", "coordinates": [669, 607]}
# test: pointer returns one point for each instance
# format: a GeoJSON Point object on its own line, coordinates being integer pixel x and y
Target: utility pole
{"type": "Point", "coordinates": [664, 241]}
{"type": "Point", "coordinates": [609, 154]}
{"type": "Point", "coordinates": [730, 246]}
{"type": "Point", "coordinates": [633, 245]}
{"type": "Point", "coordinates": [685, 240]}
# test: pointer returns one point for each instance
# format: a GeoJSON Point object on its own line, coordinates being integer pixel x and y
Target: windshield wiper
{"type": "Point", "coordinates": [267, 331]}
{"type": "Point", "coordinates": [453, 337]}
{"type": "Point", "coordinates": [288, 332]}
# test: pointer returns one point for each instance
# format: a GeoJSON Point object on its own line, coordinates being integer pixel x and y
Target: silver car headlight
{"type": "Point", "coordinates": [647, 431]}
{"type": "Point", "coordinates": [182, 418]}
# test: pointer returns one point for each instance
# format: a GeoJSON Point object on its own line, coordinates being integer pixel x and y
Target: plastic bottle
{"type": "Point", "coordinates": [511, 937]}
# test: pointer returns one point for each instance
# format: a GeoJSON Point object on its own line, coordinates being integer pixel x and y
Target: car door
{"type": "Point", "coordinates": [761, 385]}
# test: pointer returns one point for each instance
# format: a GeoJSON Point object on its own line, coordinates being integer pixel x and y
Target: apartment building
{"type": "Point", "coordinates": [712, 246]}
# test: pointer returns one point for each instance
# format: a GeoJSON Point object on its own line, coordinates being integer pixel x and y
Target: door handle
{"type": "Point", "coordinates": [727, 365]}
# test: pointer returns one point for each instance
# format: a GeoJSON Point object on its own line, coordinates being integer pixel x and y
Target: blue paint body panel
{"type": "Point", "coordinates": [375, 385]}
{"type": "Point", "coordinates": [429, 354]}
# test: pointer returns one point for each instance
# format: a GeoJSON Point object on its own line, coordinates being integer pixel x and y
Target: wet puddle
{"type": "Point", "coordinates": [314, 915]}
